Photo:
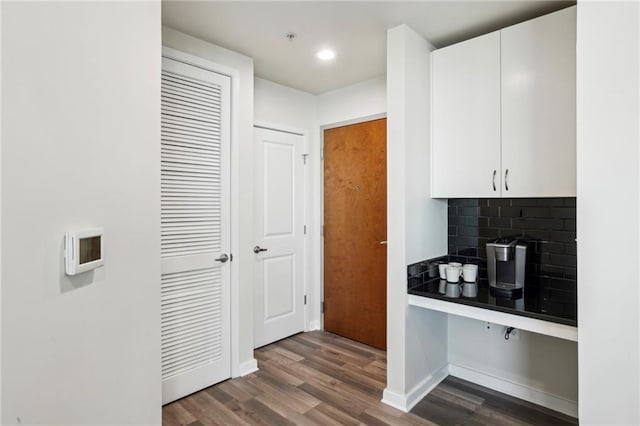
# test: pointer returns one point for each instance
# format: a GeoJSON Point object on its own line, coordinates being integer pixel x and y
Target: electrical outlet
{"type": "Point", "coordinates": [514, 335]}
{"type": "Point", "coordinates": [488, 327]}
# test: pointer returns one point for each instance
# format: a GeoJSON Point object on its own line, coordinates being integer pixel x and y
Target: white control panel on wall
{"type": "Point", "coordinates": [83, 250]}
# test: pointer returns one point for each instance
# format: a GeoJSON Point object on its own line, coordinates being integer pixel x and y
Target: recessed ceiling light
{"type": "Point", "coordinates": [326, 54]}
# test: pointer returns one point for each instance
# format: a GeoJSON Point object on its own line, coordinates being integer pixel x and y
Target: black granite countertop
{"type": "Point", "coordinates": [540, 300]}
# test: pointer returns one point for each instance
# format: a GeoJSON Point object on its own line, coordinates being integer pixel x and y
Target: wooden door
{"type": "Point", "coordinates": [195, 232]}
{"type": "Point", "coordinates": [279, 235]}
{"type": "Point", "coordinates": [355, 229]}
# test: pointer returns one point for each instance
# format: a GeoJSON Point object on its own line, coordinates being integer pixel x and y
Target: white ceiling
{"type": "Point", "coordinates": [356, 30]}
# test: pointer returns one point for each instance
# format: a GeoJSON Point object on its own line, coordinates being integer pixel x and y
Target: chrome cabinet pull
{"type": "Point", "coordinates": [494, 179]}
{"type": "Point", "coordinates": [506, 179]}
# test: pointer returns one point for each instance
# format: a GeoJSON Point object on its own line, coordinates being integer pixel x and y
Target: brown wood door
{"type": "Point", "coordinates": [355, 220]}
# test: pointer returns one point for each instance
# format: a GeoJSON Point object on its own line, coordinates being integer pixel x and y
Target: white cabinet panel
{"type": "Point", "coordinates": [506, 101]}
{"type": "Point", "coordinates": [539, 106]}
{"type": "Point", "coordinates": [466, 119]}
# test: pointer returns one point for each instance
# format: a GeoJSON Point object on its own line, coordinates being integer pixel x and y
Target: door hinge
{"type": "Point", "coordinates": [305, 229]}
{"type": "Point", "coordinates": [230, 257]}
{"type": "Point", "coordinates": [322, 231]}
{"type": "Point", "coordinates": [304, 158]}
{"type": "Point", "coordinates": [305, 299]}
{"type": "Point", "coordinates": [322, 153]}
{"type": "Point", "coordinates": [322, 307]}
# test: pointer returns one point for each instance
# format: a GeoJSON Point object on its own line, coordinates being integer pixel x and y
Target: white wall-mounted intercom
{"type": "Point", "coordinates": [83, 250]}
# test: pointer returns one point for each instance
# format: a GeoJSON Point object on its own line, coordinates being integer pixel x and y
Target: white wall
{"type": "Point", "coordinates": [354, 102]}
{"type": "Point", "coordinates": [282, 106]}
{"type": "Point", "coordinates": [535, 367]}
{"type": "Point", "coordinates": [416, 338]}
{"type": "Point", "coordinates": [0, 210]}
{"type": "Point", "coordinates": [80, 148]}
{"type": "Point", "coordinates": [240, 68]}
{"type": "Point", "coordinates": [608, 210]}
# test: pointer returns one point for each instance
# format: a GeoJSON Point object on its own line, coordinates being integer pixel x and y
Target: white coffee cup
{"type": "Point", "coordinates": [442, 271]}
{"type": "Point", "coordinates": [453, 273]}
{"type": "Point", "coordinates": [453, 290]}
{"type": "Point", "coordinates": [470, 290]}
{"type": "Point", "coordinates": [470, 273]}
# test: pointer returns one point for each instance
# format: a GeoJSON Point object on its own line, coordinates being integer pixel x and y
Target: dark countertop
{"type": "Point", "coordinates": [540, 301]}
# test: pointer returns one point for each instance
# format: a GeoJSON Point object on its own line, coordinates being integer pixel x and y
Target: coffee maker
{"type": "Point", "coordinates": [506, 266]}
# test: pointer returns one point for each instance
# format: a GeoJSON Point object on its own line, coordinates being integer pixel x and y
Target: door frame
{"type": "Point", "coordinates": [306, 201]}
{"type": "Point", "coordinates": [324, 127]}
{"type": "Point", "coordinates": [186, 58]}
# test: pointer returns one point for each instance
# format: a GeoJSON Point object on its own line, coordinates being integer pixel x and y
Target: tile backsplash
{"type": "Point", "coordinates": [548, 225]}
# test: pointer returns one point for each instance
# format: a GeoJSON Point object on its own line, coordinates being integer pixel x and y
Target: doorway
{"type": "Point", "coordinates": [355, 226]}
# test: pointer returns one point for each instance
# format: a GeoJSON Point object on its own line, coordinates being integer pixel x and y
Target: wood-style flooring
{"type": "Point", "coordinates": [319, 378]}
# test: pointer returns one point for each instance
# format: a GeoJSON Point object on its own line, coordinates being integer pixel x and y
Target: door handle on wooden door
{"type": "Point", "coordinates": [383, 242]}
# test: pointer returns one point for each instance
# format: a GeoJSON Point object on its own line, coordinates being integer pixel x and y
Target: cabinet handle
{"type": "Point", "coordinates": [506, 179]}
{"type": "Point", "coordinates": [494, 179]}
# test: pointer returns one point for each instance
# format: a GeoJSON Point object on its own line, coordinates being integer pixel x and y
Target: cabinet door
{"type": "Point", "coordinates": [465, 146]}
{"type": "Point", "coordinates": [539, 107]}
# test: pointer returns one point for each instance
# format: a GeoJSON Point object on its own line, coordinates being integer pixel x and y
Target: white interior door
{"type": "Point", "coordinates": [279, 280]}
{"type": "Point", "coordinates": [195, 234]}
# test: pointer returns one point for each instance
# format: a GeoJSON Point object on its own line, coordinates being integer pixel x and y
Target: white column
{"type": "Point", "coordinates": [608, 44]}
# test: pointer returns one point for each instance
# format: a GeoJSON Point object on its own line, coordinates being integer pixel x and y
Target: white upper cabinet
{"type": "Point", "coordinates": [466, 118]}
{"type": "Point", "coordinates": [505, 102]}
{"type": "Point", "coordinates": [539, 106]}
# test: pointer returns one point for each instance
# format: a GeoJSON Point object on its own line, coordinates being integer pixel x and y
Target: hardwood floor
{"type": "Point", "coordinates": [319, 378]}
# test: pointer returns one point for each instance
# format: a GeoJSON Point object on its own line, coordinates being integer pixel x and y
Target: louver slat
{"type": "Point", "coordinates": [186, 333]}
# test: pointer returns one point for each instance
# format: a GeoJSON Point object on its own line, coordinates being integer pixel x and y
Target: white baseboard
{"type": "Point", "coordinates": [313, 325]}
{"type": "Point", "coordinates": [247, 367]}
{"type": "Point", "coordinates": [394, 399]}
{"type": "Point", "coordinates": [406, 402]}
{"type": "Point", "coordinates": [425, 386]}
{"type": "Point", "coordinates": [527, 393]}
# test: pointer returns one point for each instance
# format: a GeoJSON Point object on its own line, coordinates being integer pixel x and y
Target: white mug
{"type": "Point", "coordinates": [470, 273]}
{"type": "Point", "coordinates": [453, 273]}
{"type": "Point", "coordinates": [442, 271]}
{"type": "Point", "coordinates": [453, 290]}
{"type": "Point", "coordinates": [470, 290]}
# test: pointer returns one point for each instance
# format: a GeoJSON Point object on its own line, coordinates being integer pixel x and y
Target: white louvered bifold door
{"type": "Point", "coordinates": [195, 234]}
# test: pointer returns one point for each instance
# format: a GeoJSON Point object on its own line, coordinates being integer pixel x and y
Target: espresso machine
{"type": "Point", "coordinates": [506, 266]}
